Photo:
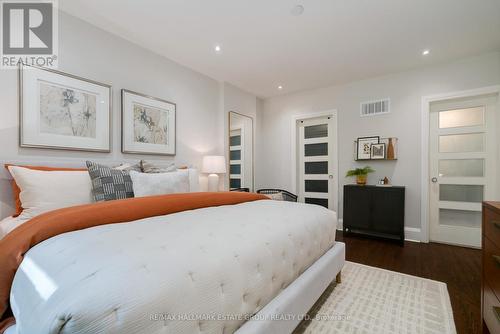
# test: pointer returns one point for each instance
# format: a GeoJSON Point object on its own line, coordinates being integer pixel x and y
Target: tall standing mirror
{"type": "Point", "coordinates": [240, 152]}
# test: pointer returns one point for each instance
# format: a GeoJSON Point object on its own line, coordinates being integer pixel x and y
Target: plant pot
{"type": "Point", "coordinates": [361, 179]}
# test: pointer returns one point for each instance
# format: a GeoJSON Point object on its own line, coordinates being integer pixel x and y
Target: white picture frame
{"type": "Point", "coordinates": [61, 111]}
{"type": "Point", "coordinates": [148, 124]}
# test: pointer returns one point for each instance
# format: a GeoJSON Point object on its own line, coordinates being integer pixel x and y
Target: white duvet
{"type": "Point", "coordinates": [197, 271]}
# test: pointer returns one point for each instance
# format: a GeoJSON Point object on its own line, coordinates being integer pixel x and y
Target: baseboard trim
{"type": "Point", "coordinates": [413, 234]}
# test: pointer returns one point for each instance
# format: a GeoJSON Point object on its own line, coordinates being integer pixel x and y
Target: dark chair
{"type": "Point", "coordinates": [287, 196]}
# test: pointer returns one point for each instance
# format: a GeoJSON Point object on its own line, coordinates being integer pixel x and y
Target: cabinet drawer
{"type": "Point", "coordinates": [492, 226]}
{"type": "Point", "coordinates": [491, 310]}
{"type": "Point", "coordinates": [491, 263]}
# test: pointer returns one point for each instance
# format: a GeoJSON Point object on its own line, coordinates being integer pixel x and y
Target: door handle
{"type": "Point", "coordinates": [330, 177]}
{"type": "Point", "coordinates": [434, 179]}
{"type": "Point", "coordinates": [496, 223]}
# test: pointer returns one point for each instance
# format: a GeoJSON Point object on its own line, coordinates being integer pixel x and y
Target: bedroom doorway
{"type": "Point", "coordinates": [316, 161]}
{"type": "Point", "coordinates": [463, 161]}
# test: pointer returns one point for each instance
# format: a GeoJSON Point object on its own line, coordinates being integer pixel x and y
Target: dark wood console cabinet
{"type": "Point", "coordinates": [375, 211]}
{"type": "Point", "coordinates": [490, 297]}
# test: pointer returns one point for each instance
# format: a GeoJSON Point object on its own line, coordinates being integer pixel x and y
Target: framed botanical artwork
{"type": "Point", "coordinates": [378, 151]}
{"type": "Point", "coordinates": [63, 111]}
{"type": "Point", "coordinates": [364, 145]}
{"type": "Point", "coordinates": [148, 124]}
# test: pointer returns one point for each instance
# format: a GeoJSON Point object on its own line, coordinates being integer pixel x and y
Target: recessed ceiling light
{"type": "Point", "coordinates": [280, 87]}
{"type": "Point", "coordinates": [426, 52]}
{"type": "Point", "coordinates": [297, 10]}
{"type": "Point", "coordinates": [217, 48]}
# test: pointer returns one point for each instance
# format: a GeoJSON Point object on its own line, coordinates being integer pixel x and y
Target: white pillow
{"type": "Point", "coordinates": [43, 191]}
{"type": "Point", "coordinates": [146, 184]}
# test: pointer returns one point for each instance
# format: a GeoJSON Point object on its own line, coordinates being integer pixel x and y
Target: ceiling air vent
{"type": "Point", "coordinates": [373, 108]}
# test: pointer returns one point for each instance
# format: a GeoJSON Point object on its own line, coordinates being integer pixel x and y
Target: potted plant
{"type": "Point", "coordinates": [360, 173]}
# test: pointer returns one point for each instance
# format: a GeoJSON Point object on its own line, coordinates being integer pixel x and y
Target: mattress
{"type": "Point", "coordinates": [204, 270]}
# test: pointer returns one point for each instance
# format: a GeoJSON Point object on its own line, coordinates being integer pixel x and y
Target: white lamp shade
{"type": "Point", "coordinates": [214, 164]}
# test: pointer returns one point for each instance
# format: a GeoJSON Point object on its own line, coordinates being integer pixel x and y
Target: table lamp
{"type": "Point", "coordinates": [213, 165]}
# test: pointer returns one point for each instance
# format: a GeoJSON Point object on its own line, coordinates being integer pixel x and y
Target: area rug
{"type": "Point", "coordinates": [373, 300]}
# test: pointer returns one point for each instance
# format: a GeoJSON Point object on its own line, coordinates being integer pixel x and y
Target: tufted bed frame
{"type": "Point", "coordinates": [300, 295]}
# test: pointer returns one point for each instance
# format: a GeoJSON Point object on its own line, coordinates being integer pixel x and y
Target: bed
{"type": "Point", "coordinates": [245, 266]}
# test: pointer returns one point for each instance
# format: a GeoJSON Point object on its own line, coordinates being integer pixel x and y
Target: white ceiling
{"type": "Point", "coordinates": [332, 42]}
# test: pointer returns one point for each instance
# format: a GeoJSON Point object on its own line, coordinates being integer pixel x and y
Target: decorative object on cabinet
{"type": "Point", "coordinates": [384, 182]}
{"type": "Point", "coordinates": [63, 111]}
{"type": "Point", "coordinates": [213, 165]}
{"type": "Point", "coordinates": [490, 293]}
{"type": "Point", "coordinates": [390, 150]}
{"type": "Point", "coordinates": [148, 124]}
{"type": "Point", "coordinates": [360, 173]}
{"type": "Point", "coordinates": [364, 145]}
{"type": "Point", "coordinates": [375, 211]}
{"type": "Point", "coordinates": [377, 151]}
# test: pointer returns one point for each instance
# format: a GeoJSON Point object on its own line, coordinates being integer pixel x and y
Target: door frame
{"type": "Point", "coordinates": [425, 119]}
{"type": "Point", "coordinates": [227, 127]}
{"type": "Point", "coordinates": [332, 113]}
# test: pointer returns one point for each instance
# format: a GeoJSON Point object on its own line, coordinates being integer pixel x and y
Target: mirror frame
{"type": "Point", "coordinates": [229, 149]}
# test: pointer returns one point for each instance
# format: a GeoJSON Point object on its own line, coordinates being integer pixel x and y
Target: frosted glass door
{"type": "Point", "coordinates": [462, 166]}
{"type": "Point", "coordinates": [315, 163]}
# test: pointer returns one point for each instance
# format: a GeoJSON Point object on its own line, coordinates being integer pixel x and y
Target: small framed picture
{"type": "Point", "coordinates": [148, 124]}
{"type": "Point", "coordinates": [364, 147]}
{"type": "Point", "coordinates": [63, 111]}
{"type": "Point", "coordinates": [377, 151]}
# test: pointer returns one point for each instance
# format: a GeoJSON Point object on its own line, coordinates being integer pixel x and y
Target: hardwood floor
{"type": "Point", "coordinates": [458, 267]}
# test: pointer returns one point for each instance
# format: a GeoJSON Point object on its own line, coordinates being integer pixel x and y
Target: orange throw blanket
{"type": "Point", "coordinates": [47, 225]}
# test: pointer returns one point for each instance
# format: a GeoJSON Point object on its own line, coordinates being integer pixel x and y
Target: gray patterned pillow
{"type": "Point", "coordinates": [109, 184]}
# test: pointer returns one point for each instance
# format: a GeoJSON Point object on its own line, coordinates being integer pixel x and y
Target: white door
{"type": "Point", "coordinates": [316, 170]}
{"type": "Point", "coordinates": [462, 166]}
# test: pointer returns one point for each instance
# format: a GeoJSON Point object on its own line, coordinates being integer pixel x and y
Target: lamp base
{"type": "Point", "coordinates": [213, 182]}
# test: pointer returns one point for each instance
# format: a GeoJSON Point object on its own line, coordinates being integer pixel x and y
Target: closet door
{"type": "Point", "coordinates": [462, 166]}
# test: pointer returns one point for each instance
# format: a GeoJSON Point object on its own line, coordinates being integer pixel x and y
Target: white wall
{"type": "Point", "coordinates": [92, 53]}
{"type": "Point", "coordinates": [405, 91]}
